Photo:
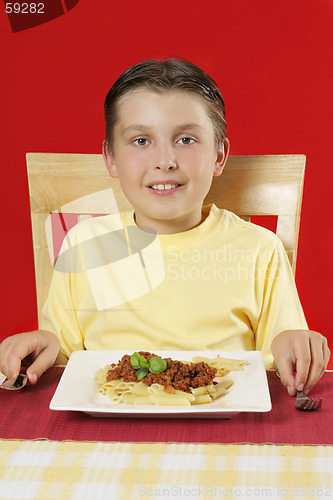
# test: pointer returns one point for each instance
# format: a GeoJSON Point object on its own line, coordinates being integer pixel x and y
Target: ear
{"type": "Point", "coordinates": [109, 160]}
{"type": "Point", "coordinates": [221, 158]}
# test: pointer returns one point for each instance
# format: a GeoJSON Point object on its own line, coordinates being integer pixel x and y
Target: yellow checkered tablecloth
{"type": "Point", "coordinates": [43, 470]}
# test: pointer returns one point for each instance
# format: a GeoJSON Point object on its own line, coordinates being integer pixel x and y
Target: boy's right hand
{"type": "Point", "coordinates": [40, 347]}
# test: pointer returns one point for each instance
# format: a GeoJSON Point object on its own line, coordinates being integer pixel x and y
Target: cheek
{"type": "Point", "coordinates": [135, 157]}
{"type": "Point", "coordinates": [129, 164]}
{"type": "Point", "coordinates": [198, 162]}
{"type": "Point", "coordinates": [131, 172]}
{"type": "Point", "coordinates": [194, 157]}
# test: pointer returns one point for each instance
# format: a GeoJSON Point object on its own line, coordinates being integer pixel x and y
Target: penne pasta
{"type": "Point", "coordinates": [199, 391]}
{"type": "Point", "coordinates": [129, 398]}
{"type": "Point", "coordinates": [218, 392]}
{"type": "Point", "coordinates": [124, 385]}
{"type": "Point", "coordinates": [190, 397]}
{"type": "Point", "coordinates": [202, 399]}
{"type": "Point", "coordinates": [169, 399]}
{"type": "Point", "coordinates": [143, 400]}
{"type": "Point", "coordinates": [113, 397]}
{"type": "Point", "coordinates": [222, 364]}
{"type": "Point", "coordinates": [139, 393]}
{"type": "Point", "coordinates": [139, 389]}
{"type": "Point", "coordinates": [226, 383]}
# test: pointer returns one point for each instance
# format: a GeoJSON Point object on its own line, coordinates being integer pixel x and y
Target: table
{"type": "Point", "coordinates": [68, 455]}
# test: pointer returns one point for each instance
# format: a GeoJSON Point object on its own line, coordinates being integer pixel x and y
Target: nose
{"type": "Point", "coordinates": [165, 158]}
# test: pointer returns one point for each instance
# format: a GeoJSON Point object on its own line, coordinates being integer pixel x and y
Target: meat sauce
{"type": "Point", "coordinates": [177, 375]}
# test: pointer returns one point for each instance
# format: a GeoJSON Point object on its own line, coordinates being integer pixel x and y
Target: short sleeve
{"type": "Point", "coordinates": [280, 305]}
{"type": "Point", "coordinates": [59, 315]}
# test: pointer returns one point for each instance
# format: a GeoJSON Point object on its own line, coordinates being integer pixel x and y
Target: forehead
{"type": "Point", "coordinates": [151, 106]}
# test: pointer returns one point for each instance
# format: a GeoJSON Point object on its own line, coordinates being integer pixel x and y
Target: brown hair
{"type": "Point", "coordinates": [162, 76]}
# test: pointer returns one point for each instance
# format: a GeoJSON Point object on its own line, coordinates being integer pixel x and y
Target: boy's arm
{"type": "Point", "coordinates": [280, 307]}
{"type": "Point", "coordinates": [282, 332]}
{"type": "Point", "coordinates": [40, 348]}
{"type": "Point", "coordinates": [59, 313]}
{"type": "Point", "coordinates": [304, 352]}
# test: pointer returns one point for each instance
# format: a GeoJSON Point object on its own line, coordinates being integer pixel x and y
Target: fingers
{"type": "Point", "coordinates": [306, 352]}
{"type": "Point", "coordinates": [303, 356]}
{"type": "Point", "coordinates": [320, 355]}
{"type": "Point", "coordinates": [43, 361]}
{"type": "Point", "coordinates": [10, 363]}
{"type": "Point", "coordinates": [285, 370]}
{"type": "Point", "coordinates": [284, 360]}
{"type": "Point", "coordinates": [42, 346]}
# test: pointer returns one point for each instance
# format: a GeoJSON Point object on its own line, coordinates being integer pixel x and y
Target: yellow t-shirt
{"type": "Point", "coordinates": [225, 285]}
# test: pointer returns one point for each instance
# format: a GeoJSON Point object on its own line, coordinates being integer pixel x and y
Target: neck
{"type": "Point", "coordinates": [169, 227]}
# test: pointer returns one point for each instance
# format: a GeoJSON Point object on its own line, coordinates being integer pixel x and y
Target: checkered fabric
{"type": "Point", "coordinates": [43, 470]}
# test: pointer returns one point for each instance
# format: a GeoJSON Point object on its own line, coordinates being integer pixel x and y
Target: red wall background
{"type": "Point", "coordinates": [273, 61]}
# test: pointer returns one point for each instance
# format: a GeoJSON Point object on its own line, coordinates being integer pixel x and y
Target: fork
{"type": "Point", "coordinates": [304, 403]}
{"type": "Point", "coordinates": [13, 384]}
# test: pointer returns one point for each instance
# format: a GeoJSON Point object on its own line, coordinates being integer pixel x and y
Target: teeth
{"type": "Point", "coordinates": [164, 186]}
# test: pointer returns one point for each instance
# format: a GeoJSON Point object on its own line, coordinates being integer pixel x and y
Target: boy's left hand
{"type": "Point", "coordinates": [304, 352]}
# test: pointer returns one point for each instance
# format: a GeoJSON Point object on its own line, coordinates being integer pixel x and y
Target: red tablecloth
{"type": "Point", "coordinates": [25, 414]}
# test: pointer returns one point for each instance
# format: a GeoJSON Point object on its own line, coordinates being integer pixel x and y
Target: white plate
{"type": "Point", "coordinates": [77, 390]}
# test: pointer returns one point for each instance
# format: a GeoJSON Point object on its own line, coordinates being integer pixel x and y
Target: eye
{"type": "Point", "coordinates": [186, 140]}
{"type": "Point", "coordinates": [141, 141]}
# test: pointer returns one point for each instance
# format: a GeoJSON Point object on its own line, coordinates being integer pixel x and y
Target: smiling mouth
{"type": "Point", "coordinates": [164, 187]}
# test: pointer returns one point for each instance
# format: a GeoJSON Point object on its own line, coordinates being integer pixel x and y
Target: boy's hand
{"type": "Point", "coordinates": [304, 352]}
{"type": "Point", "coordinates": [40, 347]}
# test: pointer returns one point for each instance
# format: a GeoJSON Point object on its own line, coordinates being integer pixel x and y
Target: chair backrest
{"type": "Point", "coordinates": [80, 184]}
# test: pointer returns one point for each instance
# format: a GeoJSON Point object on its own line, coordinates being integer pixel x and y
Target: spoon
{"type": "Point", "coordinates": [13, 384]}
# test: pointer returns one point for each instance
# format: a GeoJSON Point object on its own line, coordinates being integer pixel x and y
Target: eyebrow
{"type": "Point", "coordinates": [190, 126]}
{"type": "Point", "coordinates": [137, 127]}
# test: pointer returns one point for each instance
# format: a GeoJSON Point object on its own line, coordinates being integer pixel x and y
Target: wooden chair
{"type": "Point", "coordinates": [80, 184]}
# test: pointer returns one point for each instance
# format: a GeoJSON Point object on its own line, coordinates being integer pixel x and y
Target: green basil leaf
{"type": "Point", "coordinates": [142, 372]}
{"type": "Point", "coordinates": [134, 359]}
{"type": "Point", "coordinates": [157, 365]}
{"type": "Point", "coordinates": [143, 362]}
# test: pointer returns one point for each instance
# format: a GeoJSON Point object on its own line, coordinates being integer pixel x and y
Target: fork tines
{"type": "Point", "coordinates": [311, 404]}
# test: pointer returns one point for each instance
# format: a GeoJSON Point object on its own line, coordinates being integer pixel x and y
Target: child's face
{"type": "Point", "coordinates": [165, 156]}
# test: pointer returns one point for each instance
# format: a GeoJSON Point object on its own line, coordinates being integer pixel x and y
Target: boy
{"type": "Point", "coordinates": [165, 140]}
